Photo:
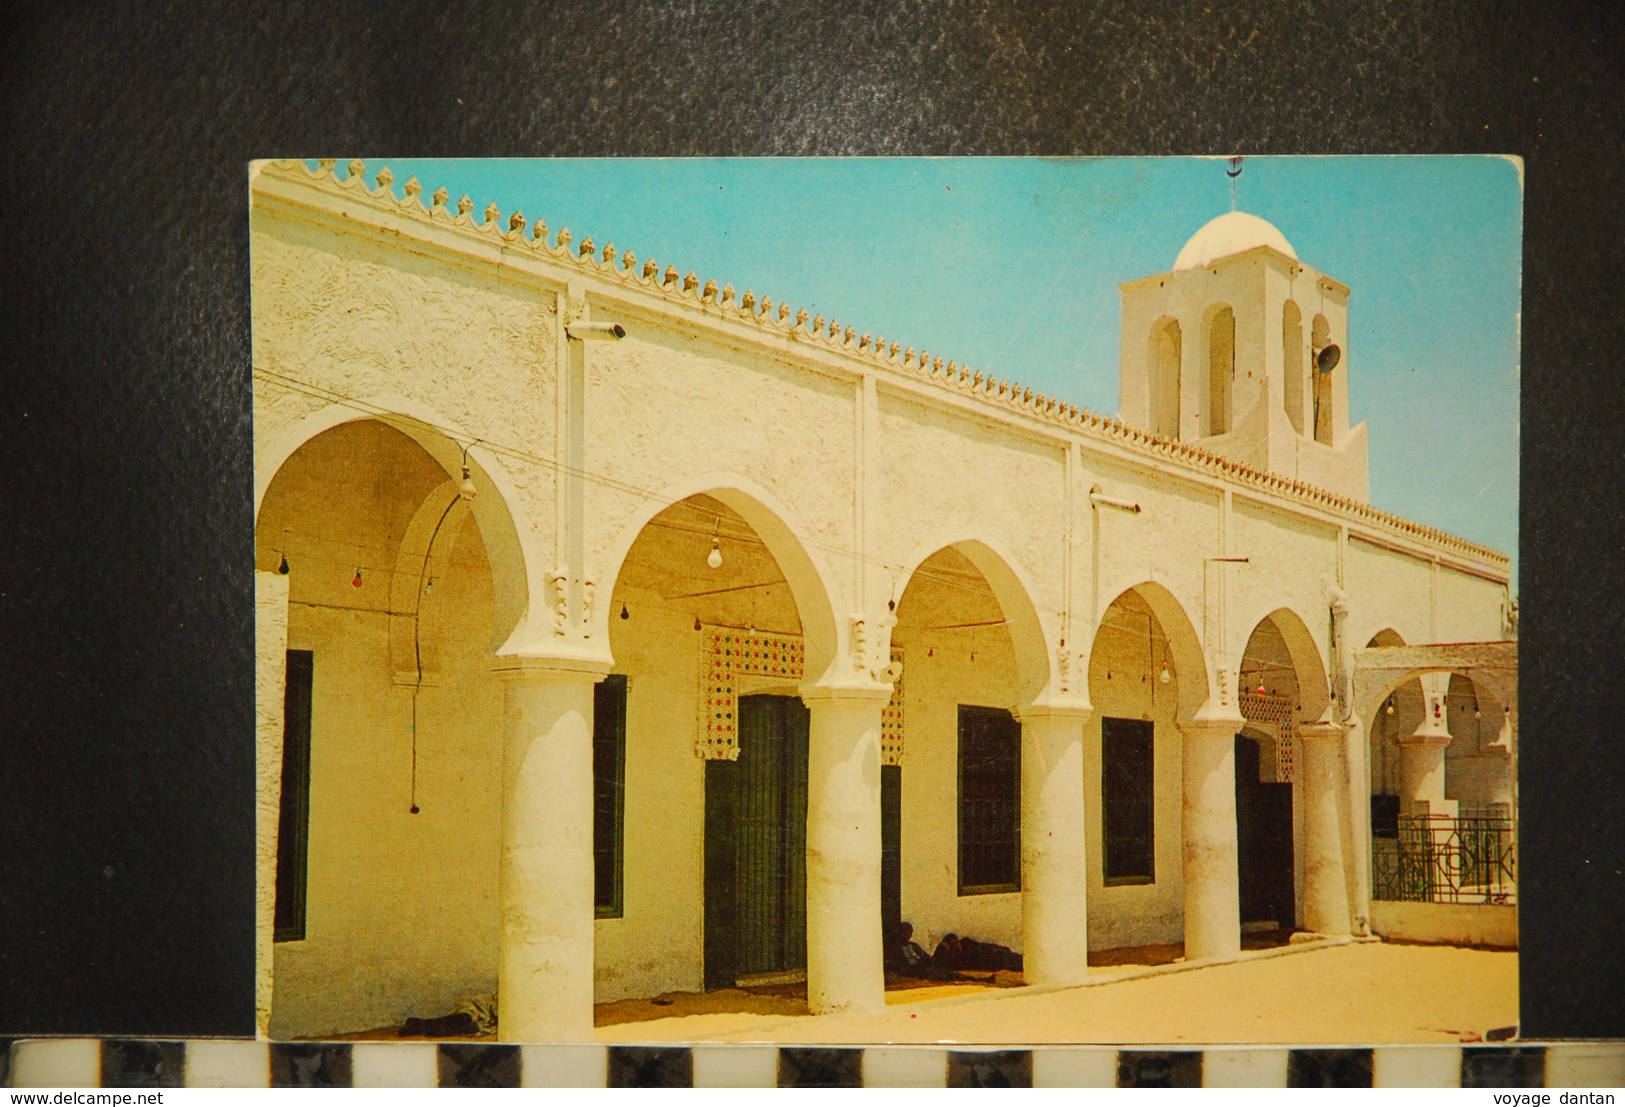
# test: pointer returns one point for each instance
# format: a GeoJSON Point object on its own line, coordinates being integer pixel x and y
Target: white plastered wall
{"type": "Point", "coordinates": [1477, 764]}
{"type": "Point", "coordinates": [948, 477]}
{"type": "Point", "coordinates": [665, 409]}
{"type": "Point", "coordinates": [1291, 564]}
{"type": "Point", "coordinates": [934, 689]}
{"type": "Point", "coordinates": [1166, 542]}
{"type": "Point", "coordinates": [401, 908]}
{"type": "Point", "coordinates": [946, 665]}
{"type": "Point", "coordinates": [1387, 590]}
{"type": "Point", "coordinates": [1134, 914]}
{"type": "Point", "coordinates": [657, 943]}
{"type": "Point", "coordinates": [336, 309]}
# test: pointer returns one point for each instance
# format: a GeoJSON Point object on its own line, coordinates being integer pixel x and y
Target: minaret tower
{"type": "Point", "coordinates": [1242, 349]}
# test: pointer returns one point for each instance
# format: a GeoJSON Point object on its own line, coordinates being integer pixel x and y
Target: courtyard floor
{"type": "Point", "coordinates": [1365, 993]}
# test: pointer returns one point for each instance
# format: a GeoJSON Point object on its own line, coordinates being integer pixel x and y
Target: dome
{"type": "Point", "coordinates": [1231, 233]}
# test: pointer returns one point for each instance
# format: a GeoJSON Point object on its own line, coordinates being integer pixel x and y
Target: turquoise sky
{"type": "Point", "coordinates": [1012, 265]}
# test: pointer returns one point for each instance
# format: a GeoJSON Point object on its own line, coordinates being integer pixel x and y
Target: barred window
{"type": "Point", "coordinates": [608, 794]}
{"type": "Point", "coordinates": [1128, 801]}
{"type": "Point", "coordinates": [293, 822]}
{"type": "Point", "coordinates": [989, 801]}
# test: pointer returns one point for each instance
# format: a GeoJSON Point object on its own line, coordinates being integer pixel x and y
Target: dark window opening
{"type": "Point", "coordinates": [1128, 801]}
{"type": "Point", "coordinates": [989, 801]}
{"type": "Point", "coordinates": [1385, 816]}
{"type": "Point", "coordinates": [608, 794]}
{"type": "Point", "coordinates": [293, 820]}
{"type": "Point", "coordinates": [891, 847]}
{"type": "Point", "coordinates": [1221, 370]}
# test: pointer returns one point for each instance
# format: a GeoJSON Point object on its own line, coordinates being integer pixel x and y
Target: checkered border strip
{"type": "Point", "coordinates": [143, 1063]}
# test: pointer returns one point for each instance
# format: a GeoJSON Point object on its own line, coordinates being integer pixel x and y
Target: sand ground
{"type": "Point", "coordinates": [1365, 993]}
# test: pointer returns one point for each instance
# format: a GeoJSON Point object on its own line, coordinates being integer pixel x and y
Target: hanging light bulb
{"type": "Point", "coordinates": [282, 566]}
{"type": "Point", "coordinates": [466, 490]}
{"type": "Point", "coordinates": [1165, 676]}
{"type": "Point", "coordinates": [714, 558]}
{"type": "Point", "coordinates": [356, 581]}
{"type": "Point", "coordinates": [625, 614]}
{"type": "Point", "coordinates": [696, 622]}
{"type": "Point", "coordinates": [1389, 710]}
{"type": "Point", "coordinates": [931, 651]}
{"type": "Point", "coordinates": [414, 809]}
{"type": "Point", "coordinates": [428, 585]}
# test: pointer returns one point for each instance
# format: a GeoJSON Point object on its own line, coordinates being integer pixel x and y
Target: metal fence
{"type": "Point", "coordinates": [1445, 859]}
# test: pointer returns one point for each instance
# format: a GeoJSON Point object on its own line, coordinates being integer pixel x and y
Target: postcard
{"type": "Point", "coordinates": [986, 601]}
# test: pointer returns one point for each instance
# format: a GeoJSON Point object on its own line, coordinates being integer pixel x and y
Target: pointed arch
{"type": "Point", "coordinates": [1387, 636]}
{"type": "Point", "coordinates": [1303, 654]}
{"type": "Point", "coordinates": [424, 554]}
{"type": "Point", "coordinates": [1325, 390]}
{"type": "Point", "coordinates": [1219, 329]}
{"type": "Point", "coordinates": [1164, 357]}
{"type": "Point", "coordinates": [511, 545]}
{"type": "Point", "coordinates": [1188, 666]}
{"type": "Point", "coordinates": [1293, 369]}
{"type": "Point", "coordinates": [810, 583]}
{"type": "Point", "coordinates": [1013, 592]}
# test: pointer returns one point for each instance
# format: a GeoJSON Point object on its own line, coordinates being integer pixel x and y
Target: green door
{"type": "Point", "coordinates": [1263, 842]}
{"type": "Point", "coordinates": [756, 846]}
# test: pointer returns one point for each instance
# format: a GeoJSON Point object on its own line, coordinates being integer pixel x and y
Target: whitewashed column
{"type": "Point", "coordinates": [1501, 751]}
{"type": "Point", "coordinates": [1421, 778]}
{"type": "Point", "coordinates": [545, 962]}
{"type": "Point", "coordinates": [270, 692]}
{"type": "Point", "coordinates": [845, 970]}
{"type": "Point", "coordinates": [1356, 765]}
{"type": "Point", "coordinates": [1054, 894]}
{"type": "Point", "coordinates": [1357, 788]}
{"type": "Point", "coordinates": [1421, 772]}
{"type": "Point", "coordinates": [1325, 883]}
{"type": "Point", "coordinates": [1212, 893]}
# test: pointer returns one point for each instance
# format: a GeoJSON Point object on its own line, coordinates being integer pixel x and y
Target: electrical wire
{"type": "Point", "coordinates": [503, 450]}
{"type": "Point", "coordinates": [417, 644]}
{"type": "Point", "coordinates": [948, 577]}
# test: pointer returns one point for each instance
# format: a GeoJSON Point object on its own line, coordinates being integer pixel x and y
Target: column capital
{"type": "Point", "coordinates": [1323, 729]}
{"type": "Point", "coordinates": [1056, 711]}
{"type": "Point", "coordinates": [874, 696]}
{"type": "Point", "coordinates": [1216, 728]}
{"type": "Point", "coordinates": [556, 667]}
{"type": "Point", "coordinates": [1425, 738]}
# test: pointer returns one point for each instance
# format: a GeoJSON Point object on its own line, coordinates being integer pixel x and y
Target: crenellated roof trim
{"type": "Point", "coordinates": [687, 290]}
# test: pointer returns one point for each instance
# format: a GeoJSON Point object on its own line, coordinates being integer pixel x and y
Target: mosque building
{"type": "Point", "coordinates": [621, 634]}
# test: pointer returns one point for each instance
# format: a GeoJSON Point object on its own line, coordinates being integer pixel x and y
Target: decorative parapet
{"type": "Point", "coordinates": [687, 291]}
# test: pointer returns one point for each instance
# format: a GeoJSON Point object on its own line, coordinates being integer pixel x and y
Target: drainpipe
{"type": "Point", "coordinates": [1355, 768]}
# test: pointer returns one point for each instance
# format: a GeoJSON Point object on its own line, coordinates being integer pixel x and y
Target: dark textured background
{"type": "Point", "coordinates": [126, 706]}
